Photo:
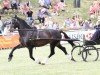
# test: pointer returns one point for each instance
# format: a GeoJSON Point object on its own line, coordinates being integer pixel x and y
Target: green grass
{"type": "Point", "coordinates": [21, 64]}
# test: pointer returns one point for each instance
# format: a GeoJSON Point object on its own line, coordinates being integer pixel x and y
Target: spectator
{"type": "Point", "coordinates": [91, 11]}
{"type": "Point", "coordinates": [6, 27]}
{"type": "Point", "coordinates": [29, 4]}
{"type": "Point", "coordinates": [67, 22]}
{"type": "Point", "coordinates": [56, 8]}
{"type": "Point", "coordinates": [90, 23]}
{"type": "Point", "coordinates": [29, 14]}
{"type": "Point", "coordinates": [6, 30]}
{"type": "Point", "coordinates": [42, 14]}
{"type": "Point", "coordinates": [47, 3]}
{"type": "Point", "coordinates": [96, 5]}
{"type": "Point", "coordinates": [6, 5]}
{"type": "Point", "coordinates": [41, 2]}
{"type": "Point", "coordinates": [14, 4]}
{"type": "Point", "coordinates": [74, 23]}
{"type": "Point", "coordinates": [24, 9]}
{"type": "Point", "coordinates": [61, 6]}
{"type": "Point", "coordinates": [98, 22]}
{"type": "Point", "coordinates": [1, 24]}
{"type": "Point", "coordinates": [29, 17]}
{"type": "Point", "coordinates": [55, 26]}
{"type": "Point", "coordinates": [71, 24]}
{"type": "Point", "coordinates": [48, 23]}
{"type": "Point", "coordinates": [86, 25]}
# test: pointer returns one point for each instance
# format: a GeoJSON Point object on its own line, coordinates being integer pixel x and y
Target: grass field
{"type": "Point", "coordinates": [57, 65]}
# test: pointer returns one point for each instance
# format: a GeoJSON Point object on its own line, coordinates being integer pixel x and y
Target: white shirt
{"type": "Point", "coordinates": [55, 26]}
{"type": "Point", "coordinates": [49, 24]}
{"type": "Point", "coordinates": [41, 2]}
{"type": "Point", "coordinates": [1, 24]}
{"type": "Point", "coordinates": [6, 31]}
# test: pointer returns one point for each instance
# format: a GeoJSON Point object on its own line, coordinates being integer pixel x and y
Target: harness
{"type": "Point", "coordinates": [35, 34]}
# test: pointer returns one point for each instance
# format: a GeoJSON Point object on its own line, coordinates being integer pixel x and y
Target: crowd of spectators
{"type": "Point", "coordinates": [44, 16]}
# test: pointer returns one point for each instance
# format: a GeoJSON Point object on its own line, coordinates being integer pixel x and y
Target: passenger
{"type": "Point", "coordinates": [95, 39]}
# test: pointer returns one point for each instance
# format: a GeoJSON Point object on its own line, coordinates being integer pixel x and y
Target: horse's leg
{"type": "Point", "coordinates": [30, 48]}
{"type": "Point", "coordinates": [62, 48]}
{"type": "Point", "coordinates": [31, 54]}
{"type": "Point", "coordinates": [11, 53]}
{"type": "Point", "coordinates": [52, 52]}
{"type": "Point", "coordinates": [52, 47]}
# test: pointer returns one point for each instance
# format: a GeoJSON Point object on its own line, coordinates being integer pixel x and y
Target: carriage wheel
{"type": "Point", "coordinates": [90, 53]}
{"type": "Point", "coordinates": [76, 52]}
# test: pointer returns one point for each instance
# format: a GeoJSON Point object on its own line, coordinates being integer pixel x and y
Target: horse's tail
{"type": "Point", "coordinates": [66, 36]}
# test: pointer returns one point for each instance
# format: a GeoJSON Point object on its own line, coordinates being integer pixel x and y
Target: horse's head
{"type": "Point", "coordinates": [19, 23]}
{"type": "Point", "coordinates": [15, 23]}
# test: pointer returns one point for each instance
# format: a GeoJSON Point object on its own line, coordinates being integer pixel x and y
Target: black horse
{"type": "Point", "coordinates": [32, 37]}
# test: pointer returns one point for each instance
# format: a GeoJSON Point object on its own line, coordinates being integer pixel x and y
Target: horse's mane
{"type": "Point", "coordinates": [22, 22]}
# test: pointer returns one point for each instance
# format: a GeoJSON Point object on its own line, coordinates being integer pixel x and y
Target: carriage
{"type": "Point", "coordinates": [88, 50]}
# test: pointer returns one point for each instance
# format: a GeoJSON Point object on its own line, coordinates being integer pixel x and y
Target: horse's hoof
{"type": "Point", "coordinates": [42, 63]}
{"type": "Point", "coordinates": [85, 60]}
{"type": "Point", "coordinates": [9, 59]}
{"type": "Point", "coordinates": [90, 54]}
{"type": "Point", "coordinates": [73, 59]}
{"type": "Point", "coordinates": [69, 56]}
{"type": "Point", "coordinates": [39, 62]}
